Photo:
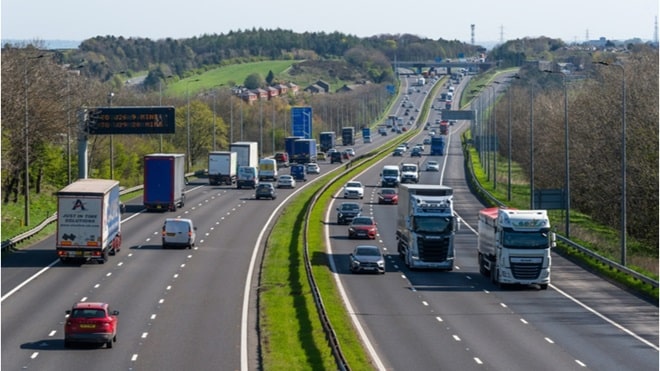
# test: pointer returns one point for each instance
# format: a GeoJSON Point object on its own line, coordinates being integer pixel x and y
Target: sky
{"type": "Point", "coordinates": [493, 20]}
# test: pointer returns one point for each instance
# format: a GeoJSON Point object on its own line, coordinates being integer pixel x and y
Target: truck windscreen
{"type": "Point", "coordinates": [432, 224]}
{"type": "Point", "coordinates": [525, 240]}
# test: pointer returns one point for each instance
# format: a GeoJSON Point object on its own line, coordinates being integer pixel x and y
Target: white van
{"type": "Point", "coordinates": [248, 176]}
{"type": "Point", "coordinates": [390, 176]}
{"type": "Point", "coordinates": [178, 232]}
{"type": "Point", "coordinates": [267, 169]}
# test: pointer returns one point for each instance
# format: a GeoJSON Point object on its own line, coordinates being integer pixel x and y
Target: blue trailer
{"type": "Point", "coordinates": [304, 151]}
{"type": "Point", "coordinates": [164, 180]}
{"type": "Point", "coordinates": [327, 140]}
{"type": "Point", "coordinates": [438, 146]}
{"type": "Point", "coordinates": [288, 145]}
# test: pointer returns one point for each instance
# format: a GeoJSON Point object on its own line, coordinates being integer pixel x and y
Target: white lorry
{"type": "Point", "coordinates": [247, 153]}
{"type": "Point", "coordinates": [514, 246]}
{"type": "Point", "coordinates": [222, 167]}
{"type": "Point", "coordinates": [425, 226]}
{"type": "Point", "coordinates": [88, 220]}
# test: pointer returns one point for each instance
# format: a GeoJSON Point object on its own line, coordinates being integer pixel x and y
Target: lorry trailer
{"type": "Point", "coordinates": [88, 220]}
{"type": "Point", "coordinates": [222, 167]}
{"type": "Point", "coordinates": [164, 181]}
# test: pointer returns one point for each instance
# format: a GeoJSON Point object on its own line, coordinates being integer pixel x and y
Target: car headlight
{"type": "Point", "coordinates": [351, 229]}
{"type": "Point", "coordinates": [381, 263]}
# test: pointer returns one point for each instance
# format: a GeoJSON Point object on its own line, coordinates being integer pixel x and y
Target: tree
{"type": "Point", "coordinates": [254, 81]}
{"type": "Point", "coordinates": [270, 77]}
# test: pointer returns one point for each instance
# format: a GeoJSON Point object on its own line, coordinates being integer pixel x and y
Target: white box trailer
{"type": "Point", "coordinates": [88, 220]}
{"type": "Point", "coordinates": [222, 167]}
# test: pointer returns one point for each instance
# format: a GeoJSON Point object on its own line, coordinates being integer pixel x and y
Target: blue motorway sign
{"type": "Point", "coordinates": [301, 122]}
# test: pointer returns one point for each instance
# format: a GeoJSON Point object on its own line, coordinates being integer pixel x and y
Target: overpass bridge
{"type": "Point", "coordinates": [443, 66]}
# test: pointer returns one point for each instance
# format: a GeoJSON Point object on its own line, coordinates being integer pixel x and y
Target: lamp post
{"type": "Point", "coordinates": [490, 132]}
{"type": "Point", "coordinates": [508, 190]}
{"type": "Point", "coordinates": [215, 94]}
{"type": "Point", "coordinates": [623, 161]}
{"type": "Point", "coordinates": [531, 147]}
{"type": "Point", "coordinates": [27, 142]}
{"type": "Point", "coordinates": [567, 184]}
{"type": "Point", "coordinates": [231, 117]}
{"type": "Point", "coordinates": [112, 143]}
{"type": "Point", "coordinates": [188, 154]}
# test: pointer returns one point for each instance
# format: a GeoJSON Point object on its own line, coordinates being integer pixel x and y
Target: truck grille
{"type": "Point", "coordinates": [526, 271]}
{"type": "Point", "coordinates": [433, 250]}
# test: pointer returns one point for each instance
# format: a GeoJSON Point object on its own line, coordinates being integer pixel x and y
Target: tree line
{"type": "Point", "coordinates": [595, 103]}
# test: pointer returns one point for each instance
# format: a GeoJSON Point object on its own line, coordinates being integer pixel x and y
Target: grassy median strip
{"type": "Point", "coordinates": [292, 336]}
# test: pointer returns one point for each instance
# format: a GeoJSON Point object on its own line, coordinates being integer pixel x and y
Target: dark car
{"type": "Point", "coordinates": [90, 322]}
{"type": "Point", "coordinates": [336, 157]}
{"type": "Point", "coordinates": [388, 196]}
{"type": "Point", "coordinates": [347, 211]}
{"type": "Point", "coordinates": [416, 152]}
{"type": "Point", "coordinates": [265, 190]}
{"type": "Point", "coordinates": [397, 152]}
{"type": "Point", "coordinates": [367, 258]}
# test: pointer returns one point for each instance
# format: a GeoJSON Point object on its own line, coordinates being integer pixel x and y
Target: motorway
{"type": "Point", "coordinates": [183, 309]}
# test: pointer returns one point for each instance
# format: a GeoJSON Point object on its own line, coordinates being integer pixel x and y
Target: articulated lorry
{"type": "Point", "coordinates": [222, 167]}
{"type": "Point", "coordinates": [304, 151]}
{"type": "Point", "coordinates": [437, 146]}
{"type": "Point", "coordinates": [425, 226]}
{"type": "Point", "coordinates": [247, 153]}
{"type": "Point", "coordinates": [348, 136]}
{"type": "Point", "coordinates": [514, 246]}
{"type": "Point", "coordinates": [164, 180]}
{"type": "Point", "coordinates": [327, 140]}
{"type": "Point", "coordinates": [366, 135]}
{"type": "Point", "coordinates": [88, 220]}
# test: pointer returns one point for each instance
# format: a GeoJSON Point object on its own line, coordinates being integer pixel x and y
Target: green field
{"type": "Point", "coordinates": [225, 77]}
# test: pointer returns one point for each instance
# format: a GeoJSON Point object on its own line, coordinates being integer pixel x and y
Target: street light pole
{"type": "Point", "coordinates": [624, 185]}
{"type": "Point", "coordinates": [188, 152]}
{"type": "Point", "coordinates": [567, 184]}
{"type": "Point", "coordinates": [112, 143]}
{"type": "Point", "coordinates": [27, 154]}
{"type": "Point", "coordinates": [508, 192]}
{"type": "Point", "coordinates": [214, 126]}
{"type": "Point", "coordinates": [531, 148]}
{"type": "Point", "coordinates": [27, 143]}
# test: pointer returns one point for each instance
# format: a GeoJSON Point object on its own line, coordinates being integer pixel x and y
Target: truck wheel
{"type": "Point", "coordinates": [104, 257]}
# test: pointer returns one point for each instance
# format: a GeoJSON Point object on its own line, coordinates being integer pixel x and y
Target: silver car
{"type": "Point", "coordinates": [367, 258]}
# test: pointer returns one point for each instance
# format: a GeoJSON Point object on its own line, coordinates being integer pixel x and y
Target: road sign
{"type": "Point", "coordinates": [130, 120]}
{"type": "Point", "coordinates": [457, 115]}
{"type": "Point", "coordinates": [301, 122]}
{"type": "Point", "coordinates": [549, 199]}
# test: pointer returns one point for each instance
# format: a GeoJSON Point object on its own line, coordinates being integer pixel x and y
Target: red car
{"type": "Point", "coordinates": [388, 196]}
{"type": "Point", "coordinates": [91, 322]}
{"type": "Point", "coordinates": [363, 227]}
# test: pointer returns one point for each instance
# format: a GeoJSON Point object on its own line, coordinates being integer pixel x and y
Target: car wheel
{"type": "Point", "coordinates": [108, 344]}
{"type": "Point", "coordinates": [67, 343]}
